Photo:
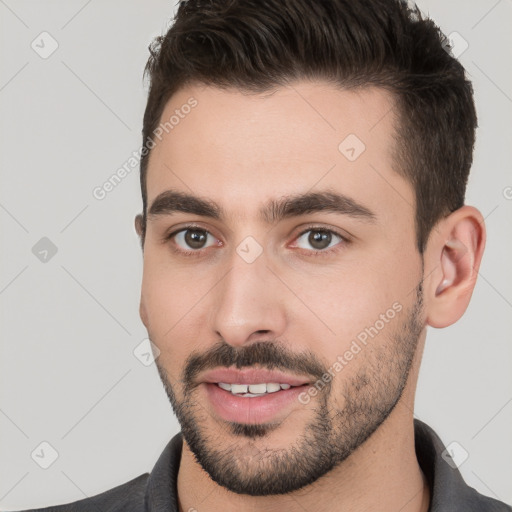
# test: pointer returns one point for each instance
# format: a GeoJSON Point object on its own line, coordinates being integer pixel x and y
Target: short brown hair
{"type": "Point", "coordinates": [259, 45]}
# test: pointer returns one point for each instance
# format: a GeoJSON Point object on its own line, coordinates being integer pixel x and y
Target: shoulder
{"type": "Point", "coordinates": [448, 490]}
{"type": "Point", "coordinates": [127, 497]}
{"type": "Point", "coordinates": [476, 502]}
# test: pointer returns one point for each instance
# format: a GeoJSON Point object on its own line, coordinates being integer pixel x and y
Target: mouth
{"type": "Point", "coordinates": [254, 390]}
{"type": "Point", "coordinates": [252, 396]}
{"type": "Point", "coordinates": [254, 378]}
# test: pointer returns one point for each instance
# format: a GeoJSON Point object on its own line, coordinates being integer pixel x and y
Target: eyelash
{"type": "Point", "coordinates": [314, 252]}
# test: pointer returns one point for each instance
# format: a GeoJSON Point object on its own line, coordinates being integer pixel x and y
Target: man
{"type": "Point", "coordinates": [303, 178]}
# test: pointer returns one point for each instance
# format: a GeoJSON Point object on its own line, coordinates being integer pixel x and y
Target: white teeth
{"type": "Point", "coordinates": [273, 387]}
{"type": "Point", "coordinates": [258, 388]}
{"type": "Point", "coordinates": [239, 388]}
{"type": "Point", "coordinates": [253, 389]}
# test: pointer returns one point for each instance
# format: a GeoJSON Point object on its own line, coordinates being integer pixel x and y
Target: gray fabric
{"type": "Point", "coordinates": [156, 491]}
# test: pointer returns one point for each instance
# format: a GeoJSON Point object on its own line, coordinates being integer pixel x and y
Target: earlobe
{"type": "Point", "coordinates": [454, 253]}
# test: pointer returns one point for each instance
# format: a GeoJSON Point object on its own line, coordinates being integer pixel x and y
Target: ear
{"type": "Point", "coordinates": [139, 228]}
{"type": "Point", "coordinates": [452, 259]}
{"type": "Point", "coordinates": [138, 224]}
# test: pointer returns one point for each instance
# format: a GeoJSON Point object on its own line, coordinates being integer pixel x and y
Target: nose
{"type": "Point", "coordinates": [248, 304]}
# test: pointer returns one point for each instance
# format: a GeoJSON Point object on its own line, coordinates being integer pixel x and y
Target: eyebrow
{"type": "Point", "coordinates": [273, 211]}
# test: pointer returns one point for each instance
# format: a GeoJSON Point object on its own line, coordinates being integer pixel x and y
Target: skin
{"type": "Point", "coordinates": [240, 150]}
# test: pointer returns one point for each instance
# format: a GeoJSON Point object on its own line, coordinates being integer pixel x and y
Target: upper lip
{"type": "Point", "coordinates": [252, 376]}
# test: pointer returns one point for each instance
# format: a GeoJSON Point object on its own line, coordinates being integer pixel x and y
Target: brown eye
{"type": "Point", "coordinates": [318, 240]}
{"type": "Point", "coordinates": [193, 238]}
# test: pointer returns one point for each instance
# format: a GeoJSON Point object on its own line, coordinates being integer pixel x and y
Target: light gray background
{"type": "Point", "coordinates": [70, 325]}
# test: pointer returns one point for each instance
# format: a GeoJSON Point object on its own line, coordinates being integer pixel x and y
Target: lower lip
{"type": "Point", "coordinates": [252, 410]}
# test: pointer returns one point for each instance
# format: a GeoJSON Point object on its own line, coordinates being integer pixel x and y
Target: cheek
{"type": "Point", "coordinates": [168, 291]}
{"type": "Point", "coordinates": [359, 302]}
{"type": "Point", "coordinates": [173, 298]}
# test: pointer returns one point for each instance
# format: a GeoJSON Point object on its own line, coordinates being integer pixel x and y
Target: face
{"type": "Point", "coordinates": [280, 262]}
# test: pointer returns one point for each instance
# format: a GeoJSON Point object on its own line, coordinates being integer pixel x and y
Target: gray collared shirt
{"type": "Point", "coordinates": [157, 491]}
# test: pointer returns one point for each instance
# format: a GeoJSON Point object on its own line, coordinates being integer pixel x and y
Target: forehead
{"type": "Point", "coordinates": [240, 148]}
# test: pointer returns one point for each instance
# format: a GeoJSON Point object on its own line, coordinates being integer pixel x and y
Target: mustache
{"type": "Point", "coordinates": [268, 354]}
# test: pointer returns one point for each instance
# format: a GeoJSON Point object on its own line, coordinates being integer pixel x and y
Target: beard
{"type": "Point", "coordinates": [333, 434]}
